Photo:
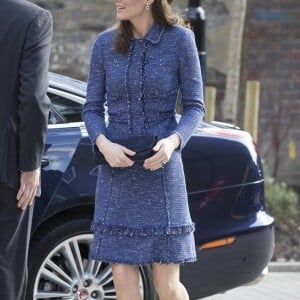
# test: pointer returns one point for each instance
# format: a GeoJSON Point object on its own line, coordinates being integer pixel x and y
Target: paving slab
{"type": "Point", "coordinates": [274, 286]}
{"type": "Point", "coordinates": [284, 266]}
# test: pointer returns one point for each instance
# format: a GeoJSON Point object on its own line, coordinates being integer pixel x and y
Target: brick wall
{"type": "Point", "coordinates": [76, 24]}
{"type": "Point", "coordinates": [272, 56]}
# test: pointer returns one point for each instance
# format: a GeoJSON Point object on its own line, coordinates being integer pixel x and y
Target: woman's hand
{"type": "Point", "coordinates": [115, 154]}
{"type": "Point", "coordinates": [164, 148]}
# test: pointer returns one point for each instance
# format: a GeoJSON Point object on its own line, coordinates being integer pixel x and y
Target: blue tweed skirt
{"type": "Point", "coordinates": [142, 216]}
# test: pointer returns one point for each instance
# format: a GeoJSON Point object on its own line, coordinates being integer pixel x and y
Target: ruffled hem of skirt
{"type": "Point", "coordinates": [150, 231]}
{"type": "Point", "coordinates": [158, 261]}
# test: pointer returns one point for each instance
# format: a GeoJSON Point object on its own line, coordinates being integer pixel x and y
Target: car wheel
{"type": "Point", "coordinates": [60, 267]}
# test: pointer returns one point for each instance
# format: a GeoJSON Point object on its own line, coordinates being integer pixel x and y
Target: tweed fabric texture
{"type": "Point", "coordinates": [142, 216]}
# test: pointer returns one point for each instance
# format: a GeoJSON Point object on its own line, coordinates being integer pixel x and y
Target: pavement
{"type": "Point", "coordinates": [281, 283]}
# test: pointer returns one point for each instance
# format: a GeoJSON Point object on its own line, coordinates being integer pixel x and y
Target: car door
{"type": "Point", "coordinates": [64, 135]}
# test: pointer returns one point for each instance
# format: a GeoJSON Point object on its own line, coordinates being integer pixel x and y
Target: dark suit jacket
{"type": "Point", "coordinates": [25, 40]}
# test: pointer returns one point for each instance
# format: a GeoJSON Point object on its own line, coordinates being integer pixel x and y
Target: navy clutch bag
{"type": "Point", "coordinates": [141, 145]}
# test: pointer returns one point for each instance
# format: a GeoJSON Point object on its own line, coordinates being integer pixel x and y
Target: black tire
{"type": "Point", "coordinates": [60, 250]}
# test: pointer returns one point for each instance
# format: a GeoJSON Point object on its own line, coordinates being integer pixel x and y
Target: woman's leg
{"type": "Point", "coordinates": [126, 280]}
{"type": "Point", "coordinates": [167, 283]}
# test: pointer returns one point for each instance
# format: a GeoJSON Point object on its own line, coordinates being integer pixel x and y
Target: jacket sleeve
{"type": "Point", "coordinates": [191, 87]}
{"type": "Point", "coordinates": [93, 111]}
{"type": "Point", "coordinates": [34, 104]}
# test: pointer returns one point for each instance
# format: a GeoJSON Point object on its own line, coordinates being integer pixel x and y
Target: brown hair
{"type": "Point", "coordinates": [162, 14]}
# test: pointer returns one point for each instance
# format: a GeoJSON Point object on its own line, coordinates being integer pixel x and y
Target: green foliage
{"type": "Point", "coordinates": [282, 202]}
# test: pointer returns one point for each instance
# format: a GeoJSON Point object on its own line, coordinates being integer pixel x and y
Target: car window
{"type": "Point", "coordinates": [69, 110]}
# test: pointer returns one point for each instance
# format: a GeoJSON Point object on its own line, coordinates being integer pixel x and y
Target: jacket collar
{"type": "Point", "coordinates": [155, 33]}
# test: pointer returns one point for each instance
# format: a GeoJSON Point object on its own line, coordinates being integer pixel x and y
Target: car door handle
{"type": "Point", "coordinates": [45, 162]}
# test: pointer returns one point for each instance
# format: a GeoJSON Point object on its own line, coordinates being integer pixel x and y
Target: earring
{"type": "Point", "coordinates": [147, 6]}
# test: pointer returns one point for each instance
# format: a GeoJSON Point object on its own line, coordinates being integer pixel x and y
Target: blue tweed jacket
{"type": "Point", "coordinates": [140, 87]}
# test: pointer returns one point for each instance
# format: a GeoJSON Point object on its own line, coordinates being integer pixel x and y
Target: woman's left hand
{"type": "Point", "coordinates": [164, 150]}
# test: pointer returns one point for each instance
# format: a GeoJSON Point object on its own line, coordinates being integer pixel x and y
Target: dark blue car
{"type": "Point", "coordinates": [234, 233]}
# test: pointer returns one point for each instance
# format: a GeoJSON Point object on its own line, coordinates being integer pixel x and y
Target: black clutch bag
{"type": "Point", "coordinates": [141, 145]}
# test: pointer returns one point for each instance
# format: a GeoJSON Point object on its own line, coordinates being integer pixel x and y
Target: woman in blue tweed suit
{"type": "Point", "coordinates": [141, 213]}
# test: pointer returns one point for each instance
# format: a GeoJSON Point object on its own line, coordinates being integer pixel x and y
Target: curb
{"type": "Point", "coordinates": [284, 267]}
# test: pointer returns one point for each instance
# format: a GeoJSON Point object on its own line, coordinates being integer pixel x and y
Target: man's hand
{"type": "Point", "coordinates": [29, 182]}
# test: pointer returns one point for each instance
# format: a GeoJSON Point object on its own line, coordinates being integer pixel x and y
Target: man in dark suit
{"type": "Point", "coordinates": [25, 41]}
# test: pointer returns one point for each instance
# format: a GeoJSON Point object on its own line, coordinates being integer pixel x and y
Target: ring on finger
{"type": "Point", "coordinates": [162, 163]}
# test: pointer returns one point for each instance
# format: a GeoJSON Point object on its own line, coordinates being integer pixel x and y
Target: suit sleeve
{"type": "Point", "coordinates": [33, 101]}
{"type": "Point", "coordinates": [93, 110]}
{"type": "Point", "coordinates": [191, 87]}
